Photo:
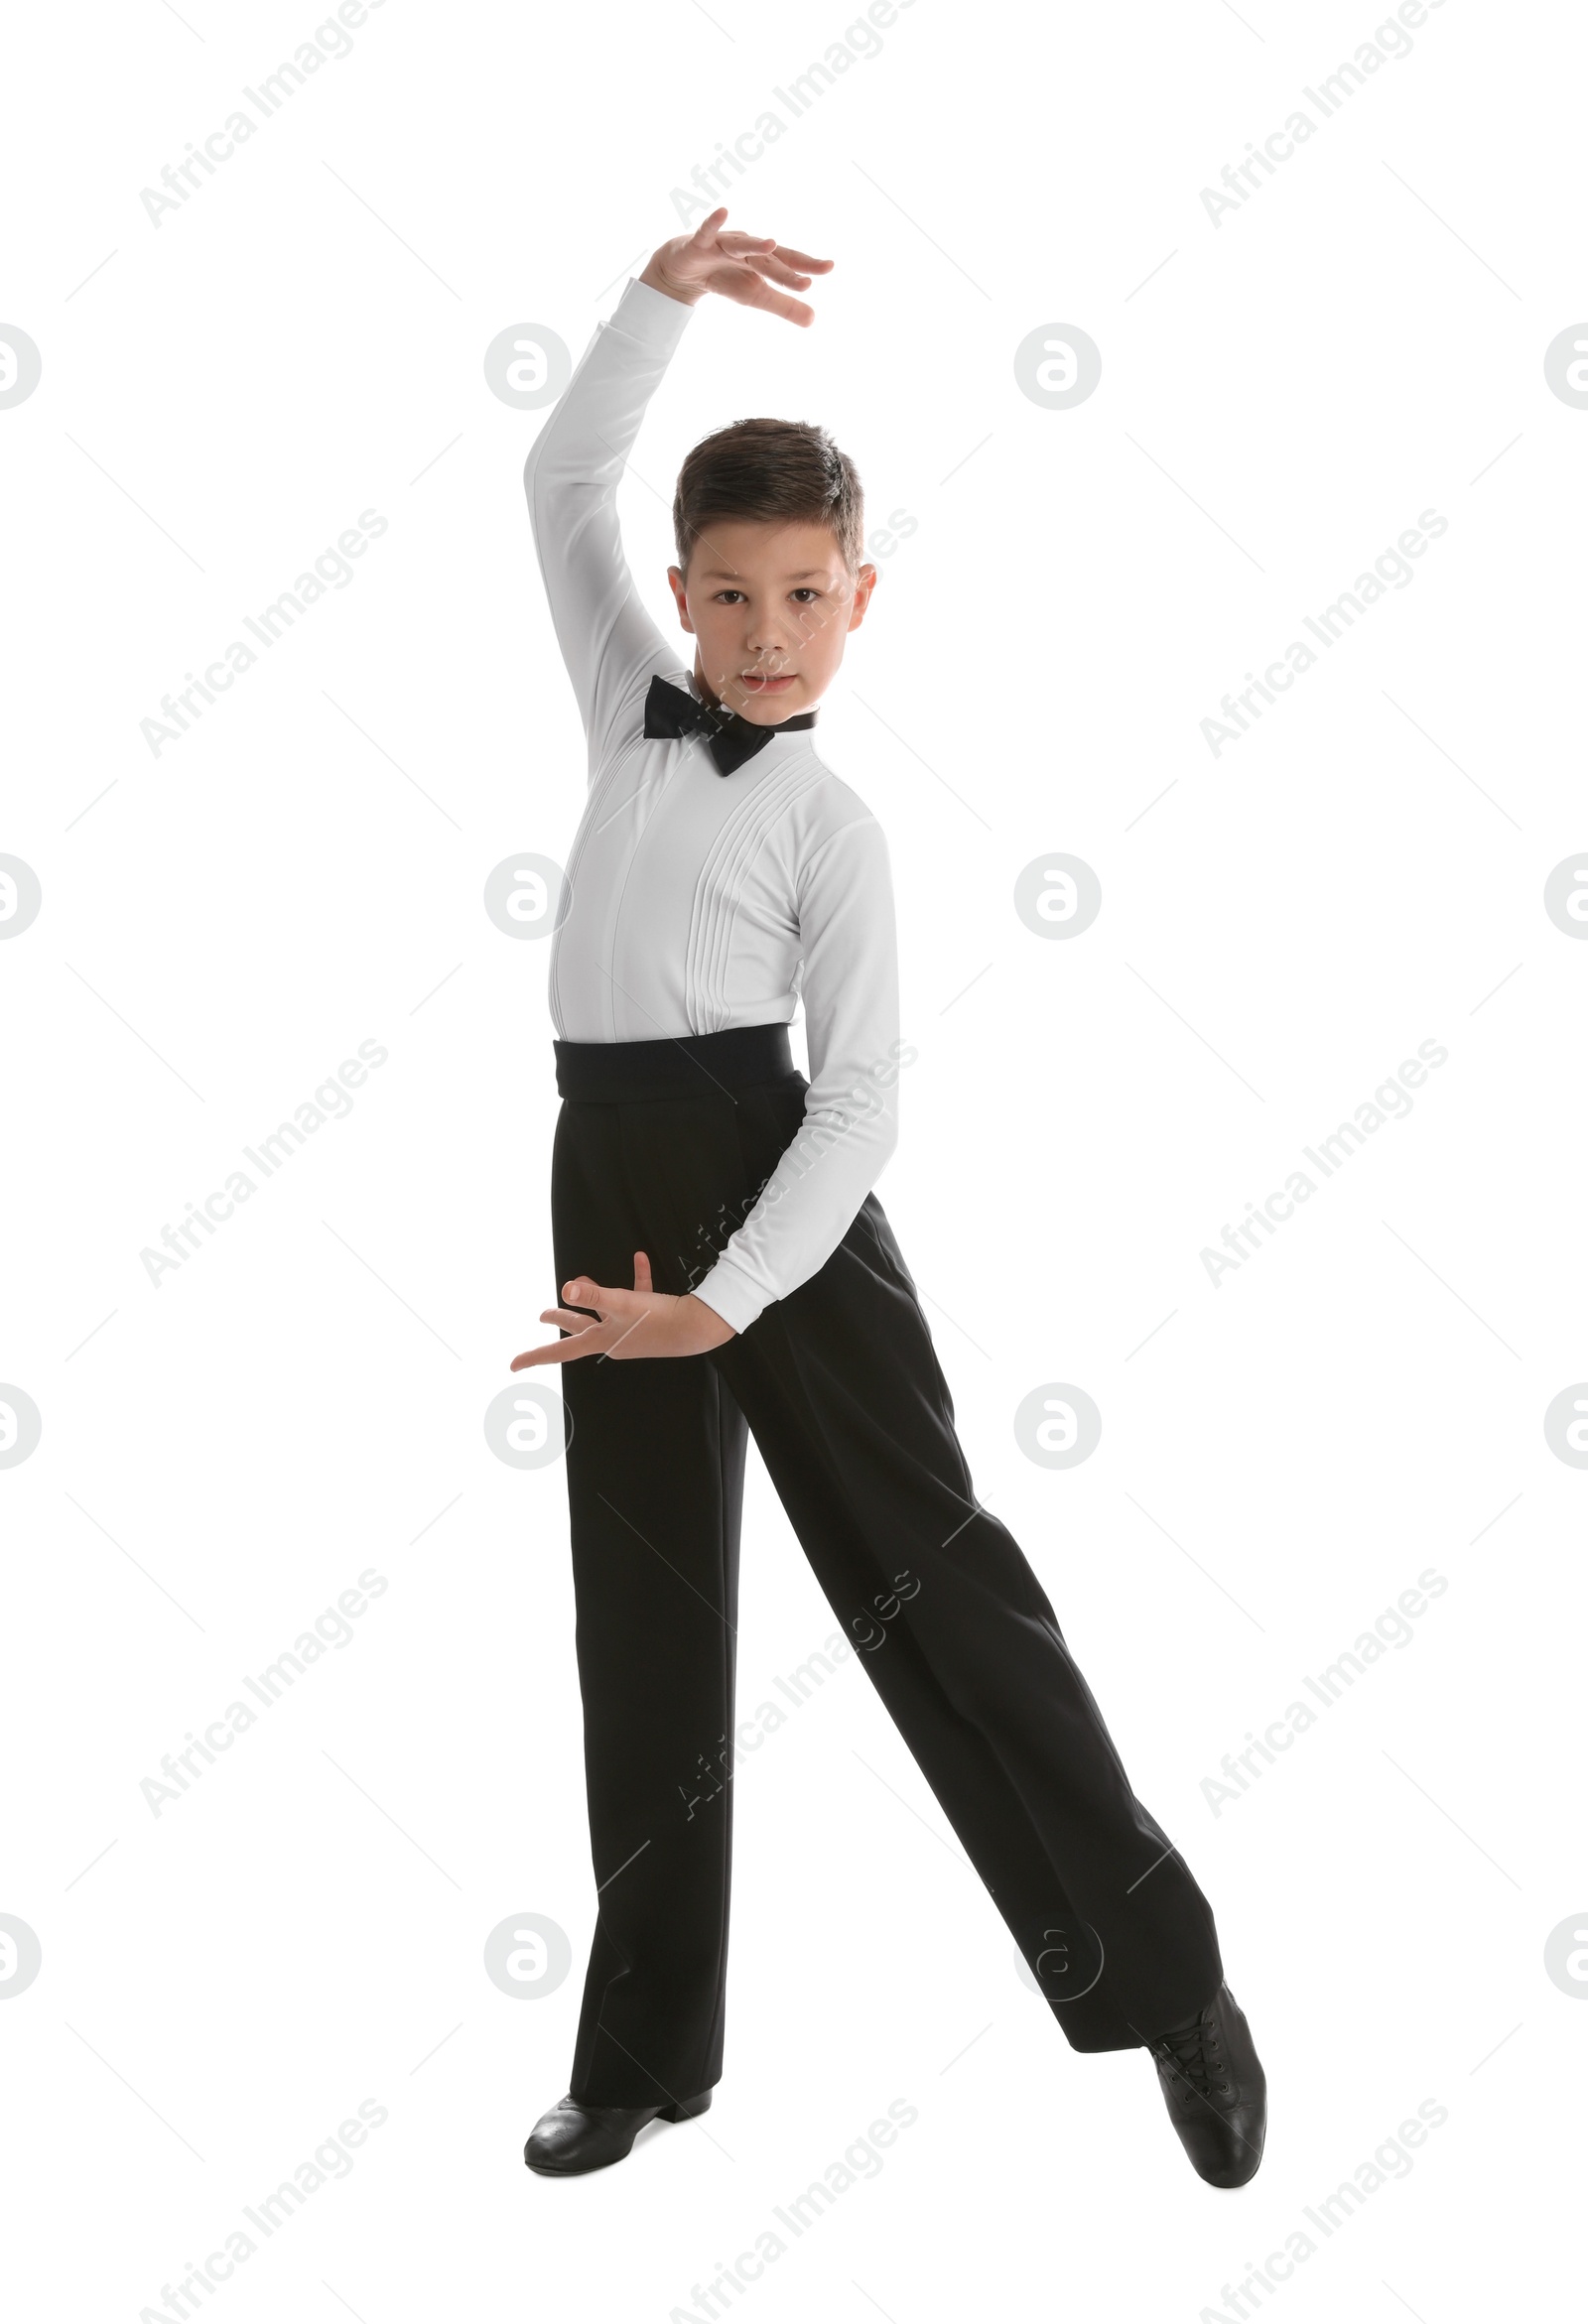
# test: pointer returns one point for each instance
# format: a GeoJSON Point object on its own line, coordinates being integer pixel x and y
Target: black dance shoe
{"type": "Point", "coordinates": [1216, 2091]}
{"type": "Point", "coordinates": [573, 2137]}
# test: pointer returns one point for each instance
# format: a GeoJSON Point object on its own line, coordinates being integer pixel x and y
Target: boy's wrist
{"type": "Point", "coordinates": [729, 1294]}
{"type": "Point", "coordinates": [687, 294]}
{"type": "Point", "coordinates": [717, 1326]}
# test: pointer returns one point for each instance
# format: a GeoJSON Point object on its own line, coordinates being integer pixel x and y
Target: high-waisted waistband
{"type": "Point", "coordinates": [695, 1064]}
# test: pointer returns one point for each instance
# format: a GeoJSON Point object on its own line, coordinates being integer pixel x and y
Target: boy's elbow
{"type": "Point", "coordinates": [535, 478]}
{"type": "Point", "coordinates": [562, 496]}
{"type": "Point", "coordinates": [547, 467]}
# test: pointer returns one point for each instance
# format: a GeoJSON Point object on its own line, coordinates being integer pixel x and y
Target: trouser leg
{"type": "Point", "coordinates": [850, 1410]}
{"type": "Point", "coordinates": [655, 1482]}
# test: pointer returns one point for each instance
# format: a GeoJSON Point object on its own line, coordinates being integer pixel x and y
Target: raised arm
{"type": "Point", "coordinates": [609, 643]}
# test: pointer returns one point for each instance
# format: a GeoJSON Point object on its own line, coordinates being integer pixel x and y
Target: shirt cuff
{"type": "Point", "coordinates": [650, 317]}
{"type": "Point", "coordinates": [730, 1293]}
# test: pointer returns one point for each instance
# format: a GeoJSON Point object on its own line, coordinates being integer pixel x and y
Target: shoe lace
{"type": "Point", "coordinates": [1192, 2052]}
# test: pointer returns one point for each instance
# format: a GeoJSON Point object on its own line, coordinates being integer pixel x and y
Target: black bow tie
{"type": "Point", "coordinates": [671, 712]}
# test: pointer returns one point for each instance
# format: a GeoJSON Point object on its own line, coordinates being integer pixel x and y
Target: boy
{"type": "Point", "coordinates": [720, 875]}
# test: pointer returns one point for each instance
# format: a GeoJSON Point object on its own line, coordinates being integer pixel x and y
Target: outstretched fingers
{"type": "Point", "coordinates": [801, 259]}
{"type": "Point", "coordinates": [776, 270]}
{"type": "Point", "coordinates": [554, 1351]}
{"type": "Point", "coordinates": [750, 290]}
{"type": "Point", "coordinates": [711, 236]}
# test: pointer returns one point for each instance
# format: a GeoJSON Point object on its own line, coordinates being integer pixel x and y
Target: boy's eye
{"type": "Point", "coordinates": [806, 595]}
{"type": "Point", "coordinates": [723, 595]}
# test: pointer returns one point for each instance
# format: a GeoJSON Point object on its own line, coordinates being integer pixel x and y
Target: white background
{"type": "Point", "coordinates": [1282, 394]}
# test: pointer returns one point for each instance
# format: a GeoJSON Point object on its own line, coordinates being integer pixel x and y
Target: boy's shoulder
{"type": "Point", "coordinates": [823, 805]}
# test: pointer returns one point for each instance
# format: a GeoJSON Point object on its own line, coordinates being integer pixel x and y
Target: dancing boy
{"type": "Point", "coordinates": [722, 875]}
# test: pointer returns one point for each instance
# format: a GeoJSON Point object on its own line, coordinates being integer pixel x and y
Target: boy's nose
{"type": "Point", "coordinates": [771, 636]}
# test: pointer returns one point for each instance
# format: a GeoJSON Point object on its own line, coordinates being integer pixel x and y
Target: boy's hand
{"type": "Point", "coordinates": [736, 266]}
{"type": "Point", "coordinates": [641, 1322]}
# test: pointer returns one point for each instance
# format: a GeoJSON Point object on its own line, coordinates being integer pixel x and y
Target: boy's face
{"type": "Point", "coordinates": [769, 607]}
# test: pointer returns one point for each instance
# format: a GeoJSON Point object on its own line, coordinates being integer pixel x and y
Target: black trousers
{"type": "Point", "coordinates": [662, 1146]}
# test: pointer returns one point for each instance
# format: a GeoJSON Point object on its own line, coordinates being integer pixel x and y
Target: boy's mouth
{"type": "Point", "coordinates": [755, 682]}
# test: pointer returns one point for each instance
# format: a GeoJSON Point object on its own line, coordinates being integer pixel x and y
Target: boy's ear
{"type": "Point", "coordinates": [676, 578]}
{"type": "Point", "coordinates": [865, 583]}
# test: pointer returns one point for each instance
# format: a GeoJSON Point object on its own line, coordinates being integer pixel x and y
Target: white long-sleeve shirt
{"type": "Point", "coordinates": [699, 900]}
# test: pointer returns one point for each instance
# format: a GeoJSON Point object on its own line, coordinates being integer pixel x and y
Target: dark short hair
{"type": "Point", "coordinates": [771, 472]}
